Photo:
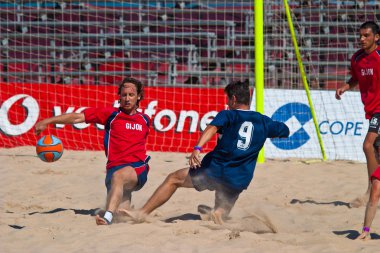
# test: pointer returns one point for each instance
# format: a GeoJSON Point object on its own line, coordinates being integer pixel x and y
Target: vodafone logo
{"type": "Point", "coordinates": [174, 114]}
{"type": "Point", "coordinates": [32, 108]}
{"type": "Point", "coordinates": [162, 120]}
{"type": "Point", "coordinates": [177, 122]}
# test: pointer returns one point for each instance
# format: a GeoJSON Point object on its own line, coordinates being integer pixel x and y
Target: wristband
{"type": "Point", "coordinates": [366, 229]}
{"type": "Point", "coordinates": [198, 148]}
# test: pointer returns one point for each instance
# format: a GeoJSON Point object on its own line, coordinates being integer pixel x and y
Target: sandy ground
{"type": "Point", "coordinates": [48, 207]}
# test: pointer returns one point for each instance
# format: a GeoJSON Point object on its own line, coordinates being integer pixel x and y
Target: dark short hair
{"type": "Point", "coordinates": [371, 24]}
{"type": "Point", "coordinates": [240, 90]}
{"type": "Point", "coordinates": [139, 87]}
{"type": "Point", "coordinates": [376, 143]}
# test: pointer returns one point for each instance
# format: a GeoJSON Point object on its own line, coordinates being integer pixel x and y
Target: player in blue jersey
{"type": "Point", "coordinates": [229, 168]}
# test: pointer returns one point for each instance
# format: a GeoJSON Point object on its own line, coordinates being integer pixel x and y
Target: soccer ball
{"type": "Point", "coordinates": [49, 148]}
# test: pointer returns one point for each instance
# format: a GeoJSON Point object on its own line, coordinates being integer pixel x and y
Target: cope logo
{"type": "Point", "coordinates": [293, 112]}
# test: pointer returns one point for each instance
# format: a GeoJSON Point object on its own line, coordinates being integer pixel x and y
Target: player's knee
{"type": "Point", "coordinates": [122, 175]}
{"type": "Point", "coordinates": [368, 148]}
{"type": "Point", "coordinates": [175, 178]}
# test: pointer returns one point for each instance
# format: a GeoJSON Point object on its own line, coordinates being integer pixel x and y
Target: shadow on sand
{"type": "Point", "coordinates": [184, 217]}
{"type": "Point", "coordinates": [76, 211]}
{"type": "Point", "coordinates": [335, 203]}
{"type": "Point", "coordinates": [352, 234]}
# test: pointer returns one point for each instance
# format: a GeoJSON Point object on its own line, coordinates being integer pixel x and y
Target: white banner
{"type": "Point", "coordinates": [342, 124]}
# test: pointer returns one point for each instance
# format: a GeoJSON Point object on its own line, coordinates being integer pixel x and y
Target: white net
{"type": "Point", "coordinates": [327, 35]}
{"type": "Point", "coordinates": [163, 43]}
{"type": "Point", "coordinates": [73, 55]}
{"type": "Point", "coordinates": [67, 55]}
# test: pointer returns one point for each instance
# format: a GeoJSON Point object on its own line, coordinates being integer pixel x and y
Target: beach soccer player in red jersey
{"type": "Point", "coordinates": [125, 135]}
{"type": "Point", "coordinates": [365, 71]}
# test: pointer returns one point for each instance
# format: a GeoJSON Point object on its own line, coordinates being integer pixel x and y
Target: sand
{"type": "Point", "coordinates": [290, 206]}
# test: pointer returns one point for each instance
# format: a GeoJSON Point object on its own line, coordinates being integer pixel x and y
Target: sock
{"type": "Point", "coordinates": [108, 217]}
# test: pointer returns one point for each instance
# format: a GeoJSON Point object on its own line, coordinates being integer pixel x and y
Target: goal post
{"type": "Point", "coordinates": [303, 77]}
{"type": "Point", "coordinates": [259, 69]}
{"type": "Point", "coordinates": [259, 63]}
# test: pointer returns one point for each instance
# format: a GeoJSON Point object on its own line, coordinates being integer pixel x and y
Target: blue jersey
{"type": "Point", "coordinates": [242, 135]}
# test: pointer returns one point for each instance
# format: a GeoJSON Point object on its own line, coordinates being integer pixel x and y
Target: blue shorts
{"type": "Point", "coordinates": [141, 169]}
{"type": "Point", "coordinates": [202, 179]}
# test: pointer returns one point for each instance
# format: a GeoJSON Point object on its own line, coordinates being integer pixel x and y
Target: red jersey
{"type": "Point", "coordinates": [365, 68]}
{"type": "Point", "coordinates": [125, 135]}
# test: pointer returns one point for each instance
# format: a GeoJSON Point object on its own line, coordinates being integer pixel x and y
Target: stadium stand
{"type": "Point", "coordinates": [67, 42]}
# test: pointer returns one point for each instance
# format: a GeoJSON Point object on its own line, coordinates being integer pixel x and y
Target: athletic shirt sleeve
{"type": "Point", "coordinates": [222, 119]}
{"type": "Point", "coordinates": [98, 115]}
{"type": "Point", "coordinates": [276, 129]}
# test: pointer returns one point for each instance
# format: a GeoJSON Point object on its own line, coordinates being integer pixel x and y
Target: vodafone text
{"type": "Point", "coordinates": [173, 121]}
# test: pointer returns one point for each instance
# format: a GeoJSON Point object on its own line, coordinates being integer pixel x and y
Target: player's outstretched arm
{"type": "Point", "coordinates": [69, 118]}
{"type": "Point", "coordinates": [277, 129]}
{"type": "Point", "coordinates": [207, 134]}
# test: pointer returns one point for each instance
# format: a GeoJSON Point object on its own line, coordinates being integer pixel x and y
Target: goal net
{"type": "Point", "coordinates": [327, 34]}
{"type": "Point", "coordinates": [63, 56]}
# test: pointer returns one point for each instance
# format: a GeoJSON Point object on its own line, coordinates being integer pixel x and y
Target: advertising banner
{"type": "Point", "coordinates": [179, 115]}
{"type": "Point", "coordinates": [341, 123]}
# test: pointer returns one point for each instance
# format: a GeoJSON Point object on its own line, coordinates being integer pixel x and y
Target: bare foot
{"type": "Point", "coordinates": [217, 217]}
{"type": "Point", "coordinates": [120, 212]}
{"type": "Point", "coordinates": [359, 201]}
{"type": "Point", "coordinates": [136, 215]}
{"type": "Point", "coordinates": [100, 221]}
{"type": "Point", "coordinates": [365, 236]}
{"type": "Point", "coordinates": [205, 212]}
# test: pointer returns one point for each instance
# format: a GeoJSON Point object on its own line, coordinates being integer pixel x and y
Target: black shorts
{"type": "Point", "coordinates": [374, 124]}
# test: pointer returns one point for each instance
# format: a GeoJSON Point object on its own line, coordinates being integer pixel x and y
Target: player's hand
{"type": "Point", "coordinates": [39, 127]}
{"type": "Point", "coordinates": [338, 93]}
{"type": "Point", "coordinates": [364, 236]}
{"type": "Point", "coordinates": [195, 160]}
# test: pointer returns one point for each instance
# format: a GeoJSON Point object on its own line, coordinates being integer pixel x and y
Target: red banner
{"type": "Point", "coordinates": [178, 115]}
